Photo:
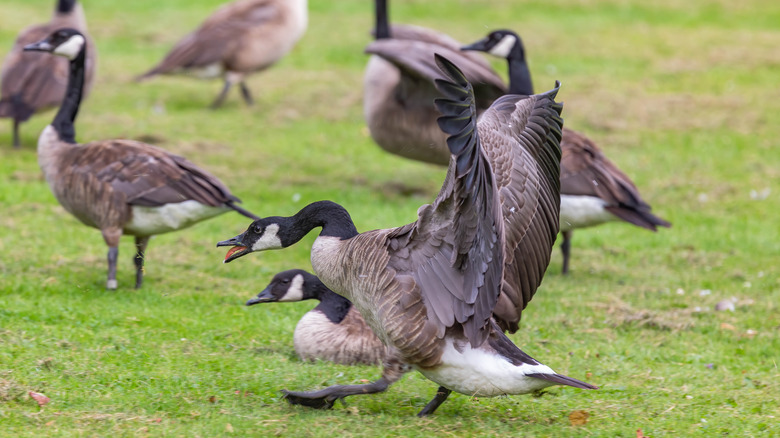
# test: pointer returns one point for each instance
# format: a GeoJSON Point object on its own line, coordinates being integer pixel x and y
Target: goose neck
{"type": "Point", "coordinates": [382, 29]}
{"type": "Point", "coordinates": [66, 116]}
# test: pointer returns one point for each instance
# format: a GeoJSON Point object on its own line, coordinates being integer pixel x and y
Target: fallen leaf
{"type": "Point", "coordinates": [40, 398]}
{"type": "Point", "coordinates": [49, 424]}
{"type": "Point", "coordinates": [229, 428]}
{"type": "Point", "coordinates": [578, 418]}
{"type": "Point", "coordinates": [213, 399]}
{"type": "Point", "coordinates": [640, 434]}
{"type": "Point", "coordinates": [727, 326]}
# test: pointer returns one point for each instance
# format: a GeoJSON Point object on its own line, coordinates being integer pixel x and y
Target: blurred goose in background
{"type": "Point", "coordinates": [429, 289]}
{"type": "Point", "coordinates": [30, 83]}
{"type": "Point", "coordinates": [332, 331]}
{"type": "Point", "coordinates": [593, 190]}
{"type": "Point", "coordinates": [240, 38]}
{"type": "Point", "coordinates": [399, 87]}
{"type": "Point", "coordinates": [120, 186]}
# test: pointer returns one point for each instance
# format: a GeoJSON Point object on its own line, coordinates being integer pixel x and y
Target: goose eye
{"type": "Point", "coordinates": [285, 281]}
{"type": "Point", "coordinates": [258, 229]}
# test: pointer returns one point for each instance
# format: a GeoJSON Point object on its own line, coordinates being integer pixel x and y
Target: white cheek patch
{"type": "Point", "coordinates": [295, 292]}
{"type": "Point", "coordinates": [71, 48]}
{"type": "Point", "coordinates": [269, 239]}
{"type": "Point", "coordinates": [504, 47]}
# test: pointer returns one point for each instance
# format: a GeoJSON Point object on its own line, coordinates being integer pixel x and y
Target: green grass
{"type": "Point", "coordinates": [682, 95]}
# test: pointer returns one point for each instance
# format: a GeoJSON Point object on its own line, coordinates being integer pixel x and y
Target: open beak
{"type": "Point", "coordinates": [238, 249]}
{"type": "Point", "coordinates": [40, 46]}
{"type": "Point", "coordinates": [479, 45]}
{"type": "Point", "coordinates": [263, 297]}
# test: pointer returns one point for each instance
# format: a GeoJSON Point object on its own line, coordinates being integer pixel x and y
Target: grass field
{"type": "Point", "coordinates": [682, 94]}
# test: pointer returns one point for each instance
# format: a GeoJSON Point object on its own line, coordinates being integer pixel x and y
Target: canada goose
{"type": "Point", "coordinates": [120, 186]}
{"type": "Point", "coordinates": [332, 331]}
{"type": "Point", "coordinates": [241, 37]}
{"type": "Point", "coordinates": [428, 289]}
{"type": "Point", "coordinates": [398, 88]}
{"type": "Point", "coordinates": [33, 83]}
{"type": "Point", "coordinates": [593, 190]}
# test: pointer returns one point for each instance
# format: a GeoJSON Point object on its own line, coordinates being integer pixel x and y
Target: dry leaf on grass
{"type": "Point", "coordinates": [40, 398]}
{"type": "Point", "coordinates": [578, 417]}
{"type": "Point", "coordinates": [640, 434]}
{"type": "Point", "coordinates": [229, 428]}
{"type": "Point", "coordinates": [727, 326]}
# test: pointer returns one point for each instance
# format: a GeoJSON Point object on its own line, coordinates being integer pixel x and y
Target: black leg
{"type": "Point", "coordinates": [392, 371]}
{"type": "Point", "coordinates": [221, 98]}
{"type": "Point", "coordinates": [566, 250]}
{"type": "Point", "coordinates": [325, 398]}
{"type": "Point", "coordinates": [247, 95]}
{"type": "Point", "coordinates": [140, 248]}
{"type": "Point", "coordinates": [16, 134]}
{"type": "Point", "coordinates": [113, 254]}
{"type": "Point", "coordinates": [441, 394]}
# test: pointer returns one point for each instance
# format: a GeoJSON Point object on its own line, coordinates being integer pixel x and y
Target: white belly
{"type": "Point", "coordinates": [147, 221]}
{"type": "Point", "coordinates": [583, 211]}
{"type": "Point", "coordinates": [478, 373]}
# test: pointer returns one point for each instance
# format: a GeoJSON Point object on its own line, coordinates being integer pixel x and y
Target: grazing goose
{"type": "Point", "coordinates": [33, 83]}
{"type": "Point", "coordinates": [593, 190]}
{"type": "Point", "coordinates": [240, 38]}
{"type": "Point", "coordinates": [399, 88]}
{"type": "Point", "coordinates": [332, 331]}
{"type": "Point", "coordinates": [120, 186]}
{"type": "Point", "coordinates": [428, 289]}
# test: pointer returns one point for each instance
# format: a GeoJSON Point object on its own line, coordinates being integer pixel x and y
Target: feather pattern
{"type": "Point", "coordinates": [31, 82]}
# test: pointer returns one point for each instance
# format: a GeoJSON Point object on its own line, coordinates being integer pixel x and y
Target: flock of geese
{"type": "Point", "coordinates": [436, 295]}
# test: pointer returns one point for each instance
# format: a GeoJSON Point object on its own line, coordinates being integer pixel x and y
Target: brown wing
{"type": "Point", "coordinates": [521, 138]}
{"type": "Point", "coordinates": [146, 175]}
{"type": "Point", "coordinates": [454, 251]}
{"type": "Point", "coordinates": [416, 60]}
{"type": "Point", "coordinates": [31, 81]}
{"type": "Point", "coordinates": [585, 171]}
{"type": "Point", "coordinates": [218, 37]}
{"type": "Point", "coordinates": [424, 34]}
{"type": "Point", "coordinates": [34, 81]}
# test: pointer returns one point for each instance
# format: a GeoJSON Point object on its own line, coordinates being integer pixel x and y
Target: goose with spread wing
{"type": "Point", "coordinates": [429, 289]}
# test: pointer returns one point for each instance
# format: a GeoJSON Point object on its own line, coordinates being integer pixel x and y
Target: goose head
{"type": "Point", "coordinates": [65, 42]}
{"type": "Point", "coordinates": [261, 235]}
{"type": "Point", "coordinates": [501, 43]}
{"type": "Point", "coordinates": [285, 287]}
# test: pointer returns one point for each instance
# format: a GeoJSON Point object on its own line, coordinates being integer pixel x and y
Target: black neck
{"type": "Point", "coordinates": [63, 121]}
{"type": "Point", "coordinates": [519, 74]}
{"type": "Point", "coordinates": [65, 6]}
{"type": "Point", "coordinates": [333, 218]}
{"type": "Point", "coordinates": [382, 23]}
{"type": "Point", "coordinates": [333, 305]}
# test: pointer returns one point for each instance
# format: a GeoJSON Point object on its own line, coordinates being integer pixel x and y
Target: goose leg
{"type": "Point", "coordinates": [325, 398]}
{"type": "Point", "coordinates": [140, 248]}
{"type": "Point", "coordinates": [441, 394]}
{"type": "Point", "coordinates": [566, 250]}
{"type": "Point", "coordinates": [111, 236]}
{"type": "Point", "coordinates": [246, 94]}
{"type": "Point", "coordinates": [221, 97]}
{"type": "Point", "coordinates": [16, 134]}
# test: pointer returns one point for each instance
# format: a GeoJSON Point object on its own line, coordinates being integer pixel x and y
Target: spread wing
{"type": "Point", "coordinates": [454, 251]}
{"type": "Point", "coordinates": [218, 36]}
{"type": "Point", "coordinates": [148, 176]}
{"type": "Point", "coordinates": [585, 171]}
{"type": "Point", "coordinates": [521, 137]}
{"type": "Point", "coordinates": [416, 59]}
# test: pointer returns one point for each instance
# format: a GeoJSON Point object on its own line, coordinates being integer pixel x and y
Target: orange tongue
{"type": "Point", "coordinates": [234, 250]}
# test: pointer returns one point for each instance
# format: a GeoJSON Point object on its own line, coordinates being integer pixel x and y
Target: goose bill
{"type": "Point", "coordinates": [236, 252]}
